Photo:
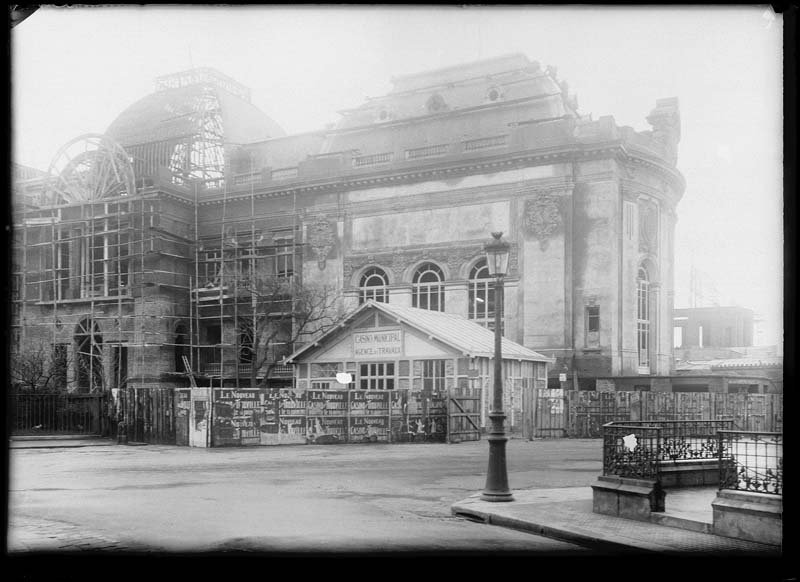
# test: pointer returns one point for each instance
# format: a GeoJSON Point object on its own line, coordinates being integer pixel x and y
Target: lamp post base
{"type": "Point", "coordinates": [497, 475]}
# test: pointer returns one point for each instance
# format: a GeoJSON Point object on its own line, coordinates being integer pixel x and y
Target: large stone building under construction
{"type": "Point", "coordinates": [132, 249]}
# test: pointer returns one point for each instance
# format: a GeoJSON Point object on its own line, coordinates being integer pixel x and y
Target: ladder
{"type": "Point", "coordinates": [189, 372]}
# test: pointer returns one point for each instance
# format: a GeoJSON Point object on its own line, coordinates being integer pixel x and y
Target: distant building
{"type": "Point", "coordinates": [713, 327]}
{"type": "Point", "coordinates": [714, 351]}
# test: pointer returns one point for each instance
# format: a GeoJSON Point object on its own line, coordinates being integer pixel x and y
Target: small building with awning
{"type": "Point", "coordinates": [396, 373]}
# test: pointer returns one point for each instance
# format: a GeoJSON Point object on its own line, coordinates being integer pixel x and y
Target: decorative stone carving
{"type": "Point", "coordinates": [454, 261]}
{"type": "Point", "coordinates": [543, 217]}
{"type": "Point", "coordinates": [321, 238]}
{"type": "Point", "coordinates": [347, 267]}
{"type": "Point", "coordinates": [648, 227]}
{"type": "Point", "coordinates": [398, 264]}
{"type": "Point", "coordinates": [513, 261]}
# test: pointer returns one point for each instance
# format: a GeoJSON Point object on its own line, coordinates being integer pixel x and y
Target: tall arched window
{"type": "Point", "coordinates": [643, 316]}
{"type": "Point", "coordinates": [428, 287]}
{"type": "Point", "coordinates": [481, 294]}
{"type": "Point", "coordinates": [373, 285]}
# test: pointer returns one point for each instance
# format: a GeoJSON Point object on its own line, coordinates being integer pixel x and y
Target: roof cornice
{"type": "Point", "coordinates": [571, 152]}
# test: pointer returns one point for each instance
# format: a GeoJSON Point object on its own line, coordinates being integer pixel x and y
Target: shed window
{"type": "Point", "coordinates": [327, 370]}
{"type": "Point", "coordinates": [376, 376]}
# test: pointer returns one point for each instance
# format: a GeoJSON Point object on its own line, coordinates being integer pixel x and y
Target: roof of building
{"type": "Point", "coordinates": [177, 113]}
{"type": "Point", "coordinates": [470, 101]}
{"type": "Point", "coordinates": [21, 172]}
{"type": "Point", "coordinates": [466, 336]}
{"type": "Point", "coordinates": [729, 363]}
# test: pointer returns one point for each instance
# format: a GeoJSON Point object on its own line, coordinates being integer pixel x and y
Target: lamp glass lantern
{"type": "Point", "coordinates": [497, 251]}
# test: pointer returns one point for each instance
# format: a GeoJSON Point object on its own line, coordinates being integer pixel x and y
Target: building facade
{"type": "Point", "coordinates": [136, 255]}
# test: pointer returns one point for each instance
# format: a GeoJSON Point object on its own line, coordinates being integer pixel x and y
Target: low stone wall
{"type": "Point", "coordinates": [626, 497]}
{"type": "Point", "coordinates": [756, 517]}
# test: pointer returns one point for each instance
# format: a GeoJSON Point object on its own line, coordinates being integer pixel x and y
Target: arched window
{"type": "Point", "coordinates": [428, 288]}
{"type": "Point", "coordinates": [643, 316]}
{"type": "Point", "coordinates": [481, 294]}
{"type": "Point", "coordinates": [89, 356]}
{"type": "Point", "coordinates": [373, 285]}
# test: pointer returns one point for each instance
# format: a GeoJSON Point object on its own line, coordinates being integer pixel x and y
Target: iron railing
{"type": "Point", "coordinates": [686, 439]}
{"type": "Point", "coordinates": [751, 461]}
{"type": "Point", "coordinates": [638, 448]}
{"type": "Point", "coordinates": [631, 450]}
{"type": "Point", "coordinates": [56, 413]}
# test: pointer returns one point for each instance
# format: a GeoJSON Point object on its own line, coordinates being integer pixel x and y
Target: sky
{"type": "Point", "coordinates": [73, 70]}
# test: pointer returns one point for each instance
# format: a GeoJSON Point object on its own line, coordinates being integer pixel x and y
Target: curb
{"type": "Point", "coordinates": [54, 446]}
{"type": "Point", "coordinates": [566, 535]}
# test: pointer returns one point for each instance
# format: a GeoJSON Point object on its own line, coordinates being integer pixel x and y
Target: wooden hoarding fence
{"type": "Point", "coordinates": [581, 414]}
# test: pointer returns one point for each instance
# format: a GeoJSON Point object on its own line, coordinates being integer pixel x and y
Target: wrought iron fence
{"type": "Point", "coordinates": [631, 450]}
{"type": "Point", "coordinates": [56, 413]}
{"type": "Point", "coordinates": [637, 448]}
{"type": "Point", "coordinates": [751, 461]}
{"type": "Point", "coordinates": [687, 439]}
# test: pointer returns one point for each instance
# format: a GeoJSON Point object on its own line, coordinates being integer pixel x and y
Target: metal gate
{"type": "Point", "coordinates": [148, 414]}
{"type": "Point", "coordinates": [463, 414]}
{"type": "Point", "coordinates": [57, 413]}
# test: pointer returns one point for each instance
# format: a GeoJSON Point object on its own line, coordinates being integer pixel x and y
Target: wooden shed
{"type": "Point", "coordinates": [394, 373]}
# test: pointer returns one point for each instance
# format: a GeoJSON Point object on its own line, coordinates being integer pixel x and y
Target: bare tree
{"type": "Point", "coordinates": [41, 367]}
{"type": "Point", "coordinates": [275, 313]}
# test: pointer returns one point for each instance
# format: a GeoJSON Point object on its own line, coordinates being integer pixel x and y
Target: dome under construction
{"type": "Point", "coordinates": [190, 126]}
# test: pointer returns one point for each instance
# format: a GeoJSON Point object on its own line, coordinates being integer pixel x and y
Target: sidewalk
{"type": "Point", "coordinates": [566, 514]}
{"type": "Point", "coordinates": [60, 441]}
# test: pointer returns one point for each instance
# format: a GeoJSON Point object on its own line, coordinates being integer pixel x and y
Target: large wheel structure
{"type": "Point", "coordinates": [88, 168]}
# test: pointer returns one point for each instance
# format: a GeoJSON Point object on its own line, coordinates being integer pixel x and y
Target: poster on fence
{"type": "Point", "coordinates": [327, 403]}
{"type": "Point", "coordinates": [369, 429]}
{"type": "Point", "coordinates": [241, 416]}
{"type": "Point", "coordinates": [369, 403]}
{"type": "Point", "coordinates": [326, 429]}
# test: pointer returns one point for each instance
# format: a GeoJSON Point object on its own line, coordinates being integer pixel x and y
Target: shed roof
{"type": "Point", "coordinates": [466, 336]}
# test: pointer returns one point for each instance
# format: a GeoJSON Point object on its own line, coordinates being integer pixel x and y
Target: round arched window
{"type": "Point", "coordinates": [428, 287]}
{"type": "Point", "coordinates": [373, 285]}
{"type": "Point", "coordinates": [481, 293]}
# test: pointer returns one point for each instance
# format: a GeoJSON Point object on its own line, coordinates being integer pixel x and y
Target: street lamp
{"type": "Point", "coordinates": [497, 476]}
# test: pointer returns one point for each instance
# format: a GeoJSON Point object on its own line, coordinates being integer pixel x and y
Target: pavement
{"type": "Point", "coordinates": [563, 513]}
{"type": "Point", "coordinates": [566, 514]}
{"type": "Point", "coordinates": [62, 441]}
